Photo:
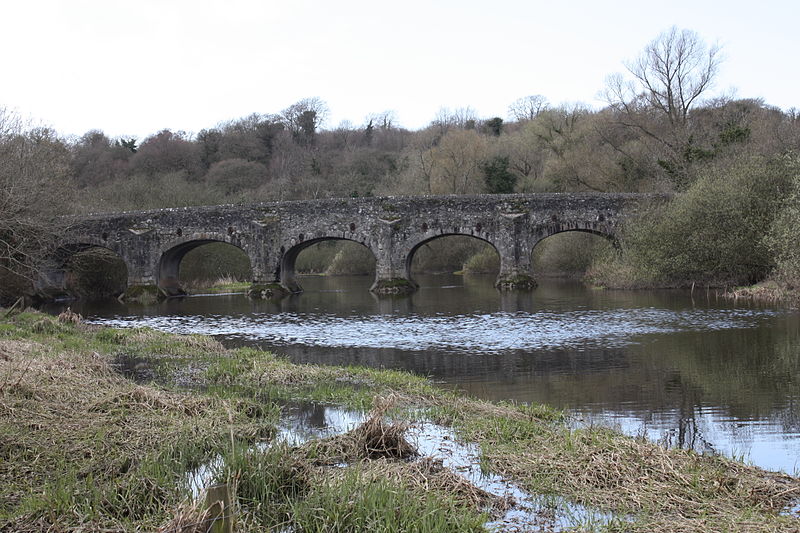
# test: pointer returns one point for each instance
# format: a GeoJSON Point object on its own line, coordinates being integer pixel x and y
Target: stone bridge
{"type": "Point", "coordinates": [152, 243]}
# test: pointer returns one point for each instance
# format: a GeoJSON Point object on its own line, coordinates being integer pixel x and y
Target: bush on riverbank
{"type": "Point", "coordinates": [714, 234]}
{"type": "Point", "coordinates": [782, 239]}
{"type": "Point", "coordinates": [352, 259]}
{"type": "Point", "coordinates": [96, 273]}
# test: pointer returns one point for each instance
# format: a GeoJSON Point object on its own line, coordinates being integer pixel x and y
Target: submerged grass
{"type": "Point", "coordinates": [83, 448]}
{"type": "Point", "coordinates": [363, 480]}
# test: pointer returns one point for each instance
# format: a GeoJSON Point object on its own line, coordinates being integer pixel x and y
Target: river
{"type": "Point", "coordinates": [683, 369]}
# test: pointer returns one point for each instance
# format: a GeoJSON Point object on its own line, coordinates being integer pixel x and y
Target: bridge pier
{"type": "Point", "coordinates": [142, 284]}
{"type": "Point", "coordinates": [512, 246]}
{"type": "Point", "coordinates": [515, 282]}
{"type": "Point", "coordinates": [392, 273]}
{"type": "Point", "coordinates": [515, 271]}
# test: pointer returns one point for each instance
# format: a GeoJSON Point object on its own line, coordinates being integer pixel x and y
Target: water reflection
{"type": "Point", "coordinates": [695, 373]}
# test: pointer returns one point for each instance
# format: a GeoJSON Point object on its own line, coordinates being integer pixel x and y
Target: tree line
{"type": "Point", "coordinates": [660, 131]}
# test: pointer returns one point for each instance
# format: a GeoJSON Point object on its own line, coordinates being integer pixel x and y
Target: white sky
{"type": "Point", "coordinates": [137, 66]}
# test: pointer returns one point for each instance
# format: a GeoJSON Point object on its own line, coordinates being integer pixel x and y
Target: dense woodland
{"type": "Point", "coordinates": [735, 161]}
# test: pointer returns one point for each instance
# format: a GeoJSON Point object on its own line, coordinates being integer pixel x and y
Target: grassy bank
{"type": "Point", "coordinates": [769, 292]}
{"type": "Point", "coordinates": [83, 448]}
{"type": "Point", "coordinates": [221, 285]}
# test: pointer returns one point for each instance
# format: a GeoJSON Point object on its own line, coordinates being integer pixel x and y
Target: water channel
{"type": "Point", "coordinates": [684, 369]}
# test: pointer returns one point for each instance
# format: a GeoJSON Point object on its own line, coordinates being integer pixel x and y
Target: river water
{"type": "Point", "coordinates": [685, 370]}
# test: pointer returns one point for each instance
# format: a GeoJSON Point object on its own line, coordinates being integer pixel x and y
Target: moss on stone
{"type": "Point", "coordinates": [394, 286]}
{"type": "Point", "coordinates": [142, 294]}
{"type": "Point", "coordinates": [267, 291]}
{"type": "Point", "coordinates": [516, 282]}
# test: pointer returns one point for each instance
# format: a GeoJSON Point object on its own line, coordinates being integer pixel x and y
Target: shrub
{"type": "Point", "coordinates": [235, 175]}
{"type": "Point", "coordinates": [447, 254]}
{"type": "Point", "coordinates": [210, 262]}
{"type": "Point", "coordinates": [713, 234]}
{"type": "Point", "coordinates": [485, 261]}
{"type": "Point", "coordinates": [782, 237]}
{"type": "Point", "coordinates": [352, 258]}
{"type": "Point", "coordinates": [96, 273]}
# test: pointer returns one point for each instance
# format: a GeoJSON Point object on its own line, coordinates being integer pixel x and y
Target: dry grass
{"type": "Point", "coordinates": [375, 438]}
{"type": "Point", "coordinates": [429, 474]}
{"type": "Point", "coordinates": [65, 411]}
{"type": "Point", "coordinates": [190, 517]}
{"type": "Point", "coordinates": [173, 344]}
{"type": "Point", "coordinates": [83, 448]}
{"type": "Point", "coordinates": [69, 317]}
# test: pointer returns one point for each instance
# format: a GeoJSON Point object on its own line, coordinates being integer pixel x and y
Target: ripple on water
{"type": "Point", "coordinates": [474, 333]}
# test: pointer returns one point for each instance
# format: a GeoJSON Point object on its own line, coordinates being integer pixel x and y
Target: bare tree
{"type": "Point", "coordinates": [527, 107]}
{"type": "Point", "coordinates": [384, 120]}
{"type": "Point", "coordinates": [674, 71]}
{"type": "Point", "coordinates": [34, 191]}
{"type": "Point", "coordinates": [669, 78]}
{"type": "Point", "coordinates": [463, 118]}
{"type": "Point", "coordinates": [303, 118]}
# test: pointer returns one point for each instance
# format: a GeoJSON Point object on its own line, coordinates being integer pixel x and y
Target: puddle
{"type": "Point", "coordinates": [298, 424]}
{"type": "Point", "coordinates": [792, 510]}
{"type": "Point", "coordinates": [528, 512]}
{"type": "Point", "coordinates": [302, 423]}
{"type": "Point", "coordinates": [137, 369]}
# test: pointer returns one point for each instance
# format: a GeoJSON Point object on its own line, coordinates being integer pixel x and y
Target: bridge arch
{"type": "Point", "coordinates": [559, 257]}
{"type": "Point", "coordinates": [608, 235]}
{"type": "Point", "coordinates": [540, 236]}
{"type": "Point", "coordinates": [58, 277]}
{"type": "Point", "coordinates": [286, 269]}
{"type": "Point", "coordinates": [171, 254]}
{"type": "Point", "coordinates": [420, 242]}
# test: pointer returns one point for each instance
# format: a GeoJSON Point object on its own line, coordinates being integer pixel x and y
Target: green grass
{"type": "Point", "coordinates": [233, 287]}
{"type": "Point", "coordinates": [353, 505]}
{"type": "Point", "coordinates": [251, 372]}
{"type": "Point", "coordinates": [282, 486]}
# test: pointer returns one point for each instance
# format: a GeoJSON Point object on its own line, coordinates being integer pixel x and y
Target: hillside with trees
{"type": "Point", "coordinates": [734, 160]}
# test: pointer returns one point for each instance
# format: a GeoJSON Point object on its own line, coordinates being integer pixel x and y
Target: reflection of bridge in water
{"type": "Point", "coordinates": [153, 243]}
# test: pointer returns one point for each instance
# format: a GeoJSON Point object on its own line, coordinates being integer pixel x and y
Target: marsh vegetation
{"type": "Point", "coordinates": [122, 449]}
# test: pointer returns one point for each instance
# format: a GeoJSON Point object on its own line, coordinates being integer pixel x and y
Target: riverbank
{"type": "Point", "coordinates": [121, 450]}
{"type": "Point", "coordinates": [766, 292]}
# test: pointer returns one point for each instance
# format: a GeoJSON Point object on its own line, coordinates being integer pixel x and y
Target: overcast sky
{"type": "Point", "coordinates": [135, 67]}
